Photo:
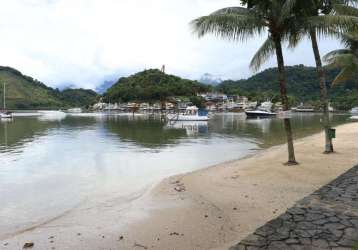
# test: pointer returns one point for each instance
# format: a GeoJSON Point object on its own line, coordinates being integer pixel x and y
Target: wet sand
{"type": "Point", "coordinates": [208, 209]}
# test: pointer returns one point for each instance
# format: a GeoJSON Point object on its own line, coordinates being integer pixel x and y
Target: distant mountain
{"type": "Point", "coordinates": [302, 86]}
{"type": "Point", "coordinates": [104, 86]}
{"type": "Point", "coordinates": [210, 79]}
{"type": "Point", "coordinates": [24, 92]}
{"type": "Point", "coordinates": [152, 85]}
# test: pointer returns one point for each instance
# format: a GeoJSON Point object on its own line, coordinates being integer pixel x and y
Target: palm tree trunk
{"type": "Point", "coordinates": [284, 100]}
{"type": "Point", "coordinates": [324, 101]}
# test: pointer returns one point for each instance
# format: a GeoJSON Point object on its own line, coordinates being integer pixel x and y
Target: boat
{"type": "Point", "coordinates": [355, 117]}
{"type": "Point", "coordinates": [354, 110]}
{"type": "Point", "coordinates": [52, 115]}
{"type": "Point", "coordinates": [5, 114]}
{"type": "Point", "coordinates": [192, 113]}
{"type": "Point", "coordinates": [264, 110]}
{"type": "Point", "coordinates": [303, 108]}
{"type": "Point", "coordinates": [75, 110]}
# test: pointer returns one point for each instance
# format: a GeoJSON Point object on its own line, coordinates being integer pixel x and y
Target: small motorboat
{"type": "Point", "coordinates": [51, 115]}
{"type": "Point", "coordinates": [6, 115]}
{"type": "Point", "coordinates": [191, 113]}
{"type": "Point", "coordinates": [264, 110]}
{"type": "Point", "coordinates": [74, 110]}
{"type": "Point", "coordinates": [304, 109]}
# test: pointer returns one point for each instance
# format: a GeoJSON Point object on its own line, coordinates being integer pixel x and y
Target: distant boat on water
{"type": "Point", "coordinates": [5, 114]}
{"type": "Point", "coordinates": [74, 110]}
{"type": "Point", "coordinates": [52, 115]}
{"type": "Point", "coordinates": [191, 113]}
{"type": "Point", "coordinates": [303, 108]}
{"type": "Point", "coordinates": [264, 110]}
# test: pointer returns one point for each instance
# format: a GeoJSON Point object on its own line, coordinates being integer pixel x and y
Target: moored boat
{"type": "Point", "coordinates": [52, 115]}
{"type": "Point", "coordinates": [74, 110]}
{"type": "Point", "coordinates": [191, 113]}
{"type": "Point", "coordinates": [303, 108]}
{"type": "Point", "coordinates": [264, 110]}
{"type": "Point", "coordinates": [5, 114]}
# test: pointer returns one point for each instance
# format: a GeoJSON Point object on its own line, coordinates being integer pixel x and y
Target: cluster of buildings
{"type": "Point", "coordinates": [222, 102]}
{"type": "Point", "coordinates": [212, 102]}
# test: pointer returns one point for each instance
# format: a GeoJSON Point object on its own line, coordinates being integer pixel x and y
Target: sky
{"type": "Point", "coordinates": [82, 43]}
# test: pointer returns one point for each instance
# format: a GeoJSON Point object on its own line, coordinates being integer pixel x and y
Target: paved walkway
{"type": "Point", "coordinates": [327, 219]}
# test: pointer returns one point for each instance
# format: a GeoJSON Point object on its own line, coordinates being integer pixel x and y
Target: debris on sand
{"type": "Point", "coordinates": [139, 245]}
{"type": "Point", "coordinates": [28, 245]}
{"type": "Point", "coordinates": [180, 187]}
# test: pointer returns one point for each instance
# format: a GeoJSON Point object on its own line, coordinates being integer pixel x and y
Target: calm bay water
{"type": "Point", "coordinates": [49, 166]}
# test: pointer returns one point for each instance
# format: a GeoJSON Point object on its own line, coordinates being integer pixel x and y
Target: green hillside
{"type": "Point", "coordinates": [302, 86]}
{"type": "Point", "coordinates": [24, 92]}
{"type": "Point", "coordinates": [152, 85]}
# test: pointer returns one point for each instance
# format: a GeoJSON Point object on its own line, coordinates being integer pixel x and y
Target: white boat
{"type": "Point", "coordinates": [50, 115]}
{"type": "Point", "coordinates": [75, 110]}
{"type": "Point", "coordinates": [303, 108]}
{"type": "Point", "coordinates": [264, 110]}
{"type": "Point", "coordinates": [5, 114]}
{"type": "Point", "coordinates": [355, 117]}
{"type": "Point", "coordinates": [191, 113]}
{"type": "Point", "coordinates": [354, 110]}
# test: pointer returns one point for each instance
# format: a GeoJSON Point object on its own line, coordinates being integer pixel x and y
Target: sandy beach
{"type": "Point", "coordinates": [212, 208]}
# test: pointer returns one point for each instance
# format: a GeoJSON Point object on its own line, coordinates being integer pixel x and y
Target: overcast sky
{"type": "Point", "coordinates": [84, 42]}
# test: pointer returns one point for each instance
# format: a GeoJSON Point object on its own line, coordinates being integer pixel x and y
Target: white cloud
{"type": "Point", "coordinates": [82, 41]}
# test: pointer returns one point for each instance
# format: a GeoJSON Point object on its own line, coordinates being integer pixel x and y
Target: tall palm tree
{"type": "Point", "coordinates": [237, 23]}
{"type": "Point", "coordinates": [332, 14]}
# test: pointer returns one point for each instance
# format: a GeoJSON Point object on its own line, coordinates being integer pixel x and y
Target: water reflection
{"type": "Point", "coordinates": [151, 132]}
{"type": "Point", "coordinates": [268, 132]}
{"type": "Point", "coordinates": [192, 128]}
{"type": "Point", "coordinates": [143, 131]}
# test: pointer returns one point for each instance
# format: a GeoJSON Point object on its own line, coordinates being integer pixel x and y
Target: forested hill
{"type": "Point", "coordinates": [24, 92]}
{"type": "Point", "coordinates": [302, 86]}
{"type": "Point", "coordinates": [153, 85]}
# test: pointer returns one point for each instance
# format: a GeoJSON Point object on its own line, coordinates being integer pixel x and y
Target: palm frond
{"type": "Point", "coordinates": [229, 26]}
{"type": "Point", "coordinates": [344, 75]}
{"type": "Point", "coordinates": [266, 50]}
{"type": "Point", "coordinates": [330, 57]}
{"type": "Point", "coordinates": [294, 39]}
{"type": "Point", "coordinates": [287, 9]}
{"type": "Point", "coordinates": [232, 10]}
{"type": "Point", "coordinates": [326, 25]}
{"type": "Point", "coordinates": [343, 9]}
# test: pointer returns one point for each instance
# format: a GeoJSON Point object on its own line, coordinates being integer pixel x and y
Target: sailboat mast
{"type": "Point", "coordinates": [4, 97]}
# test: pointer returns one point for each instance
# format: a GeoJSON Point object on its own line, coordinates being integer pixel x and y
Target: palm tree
{"type": "Point", "coordinates": [315, 16]}
{"type": "Point", "coordinates": [239, 24]}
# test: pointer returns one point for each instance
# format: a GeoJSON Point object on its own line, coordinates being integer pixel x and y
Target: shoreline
{"type": "Point", "coordinates": [210, 208]}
